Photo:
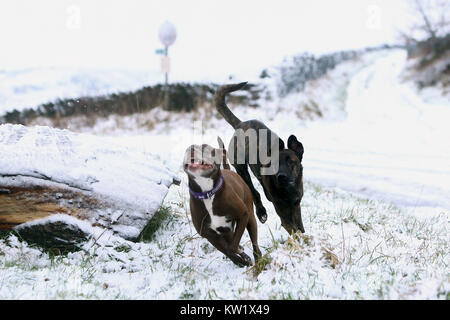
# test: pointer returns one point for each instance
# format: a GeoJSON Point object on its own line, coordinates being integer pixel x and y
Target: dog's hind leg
{"type": "Point", "coordinates": [252, 229]}
{"type": "Point", "coordinates": [242, 170]}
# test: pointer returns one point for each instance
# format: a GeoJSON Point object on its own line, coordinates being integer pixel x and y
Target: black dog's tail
{"type": "Point", "coordinates": [219, 99]}
{"type": "Point", "coordinates": [225, 163]}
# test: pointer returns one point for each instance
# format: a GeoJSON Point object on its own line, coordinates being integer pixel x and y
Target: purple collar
{"type": "Point", "coordinates": [207, 194]}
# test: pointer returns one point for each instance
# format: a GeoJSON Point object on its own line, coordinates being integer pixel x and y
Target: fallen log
{"type": "Point", "coordinates": [46, 172]}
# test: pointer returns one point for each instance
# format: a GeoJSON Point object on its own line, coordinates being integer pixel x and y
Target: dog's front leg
{"type": "Point", "coordinates": [241, 224]}
{"type": "Point", "coordinates": [224, 245]}
{"type": "Point", "coordinates": [242, 170]}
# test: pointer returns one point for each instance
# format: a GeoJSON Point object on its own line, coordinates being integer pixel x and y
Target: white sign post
{"type": "Point", "coordinates": [167, 35]}
{"type": "Point", "coordinates": [165, 65]}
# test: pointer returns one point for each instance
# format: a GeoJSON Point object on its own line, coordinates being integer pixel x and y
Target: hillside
{"type": "Point", "coordinates": [375, 208]}
{"type": "Point", "coordinates": [28, 88]}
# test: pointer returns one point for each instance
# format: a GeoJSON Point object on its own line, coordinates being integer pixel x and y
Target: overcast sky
{"type": "Point", "coordinates": [214, 37]}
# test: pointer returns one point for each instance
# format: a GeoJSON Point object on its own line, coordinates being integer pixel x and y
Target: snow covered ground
{"type": "Point", "coordinates": [392, 145]}
{"type": "Point", "coordinates": [28, 88]}
{"type": "Point", "coordinates": [383, 253]}
{"type": "Point", "coordinates": [376, 207]}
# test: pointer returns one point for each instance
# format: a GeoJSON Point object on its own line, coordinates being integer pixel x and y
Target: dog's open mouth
{"type": "Point", "coordinates": [196, 165]}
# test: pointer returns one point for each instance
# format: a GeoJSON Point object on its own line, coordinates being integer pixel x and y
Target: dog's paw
{"type": "Point", "coordinates": [241, 259]}
{"type": "Point", "coordinates": [262, 214]}
{"type": "Point", "coordinates": [246, 261]}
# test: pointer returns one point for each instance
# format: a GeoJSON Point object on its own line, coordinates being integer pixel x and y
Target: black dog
{"type": "Point", "coordinates": [284, 187]}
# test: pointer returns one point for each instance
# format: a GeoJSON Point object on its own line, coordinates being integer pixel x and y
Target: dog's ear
{"type": "Point", "coordinates": [223, 160]}
{"type": "Point", "coordinates": [280, 144]}
{"type": "Point", "coordinates": [296, 146]}
{"type": "Point", "coordinates": [220, 142]}
{"type": "Point", "coordinates": [223, 152]}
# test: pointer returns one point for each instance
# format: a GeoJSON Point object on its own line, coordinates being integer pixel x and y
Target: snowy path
{"type": "Point", "coordinates": [392, 146]}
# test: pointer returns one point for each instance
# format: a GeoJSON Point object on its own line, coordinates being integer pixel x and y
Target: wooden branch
{"type": "Point", "coordinates": [47, 172]}
{"type": "Point", "coordinates": [20, 205]}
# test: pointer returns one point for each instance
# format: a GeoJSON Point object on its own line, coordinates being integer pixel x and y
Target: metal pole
{"type": "Point", "coordinates": [166, 85]}
{"type": "Point", "coordinates": [166, 53]}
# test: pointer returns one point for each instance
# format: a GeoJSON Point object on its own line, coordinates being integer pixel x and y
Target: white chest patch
{"type": "Point", "coordinates": [206, 184]}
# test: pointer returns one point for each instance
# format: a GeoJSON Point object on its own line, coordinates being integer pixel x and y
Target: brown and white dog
{"type": "Point", "coordinates": [221, 203]}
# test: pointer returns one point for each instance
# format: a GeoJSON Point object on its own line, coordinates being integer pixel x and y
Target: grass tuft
{"type": "Point", "coordinates": [260, 265]}
{"type": "Point", "coordinates": [5, 234]}
{"type": "Point", "coordinates": [163, 215]}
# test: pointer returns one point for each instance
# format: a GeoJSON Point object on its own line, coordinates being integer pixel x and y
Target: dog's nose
{"type": "Point", "coordinates": [282, 178]}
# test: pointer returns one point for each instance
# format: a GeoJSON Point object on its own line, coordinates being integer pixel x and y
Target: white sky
{"type": "Point", "coordinates": [214, 37]}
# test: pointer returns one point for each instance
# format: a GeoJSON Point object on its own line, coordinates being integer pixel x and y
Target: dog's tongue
{"type": "Point", "coordinates": [199, 166]}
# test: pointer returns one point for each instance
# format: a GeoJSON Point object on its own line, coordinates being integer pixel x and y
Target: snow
{"type": "Point", "coordinates": [28, 88]}
{"type": "Point", "coordinates": [69, 221]}
{"type": "Point", "coordinates": [376, 195]}
{"type": "Point", "coordinates": [379, 137]}
{"type": "Point", "coordinates": [133, 182]}
{"type": "Point", "coordinates": [85, 162]}
{"type": "Point", "coordinates": [392, 146]}
{"type": "Point", "coordinates": [395, 258]}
